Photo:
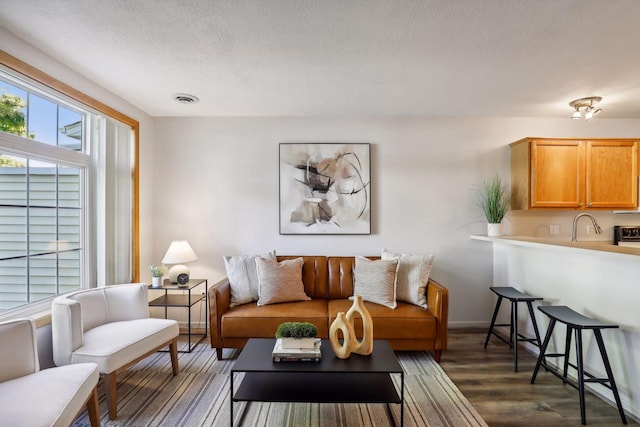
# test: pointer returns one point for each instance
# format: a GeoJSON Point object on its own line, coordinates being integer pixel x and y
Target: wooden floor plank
{"type": "Point", "coordinates": [508, 399]}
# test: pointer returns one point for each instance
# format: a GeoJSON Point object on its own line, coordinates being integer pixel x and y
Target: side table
{"type": "Point", "coordinates": [188, 300]}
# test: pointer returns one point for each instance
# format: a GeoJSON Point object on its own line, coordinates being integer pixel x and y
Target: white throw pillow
{"type": "Point", "coordinates": [376, 280]}
{"type": "Point", "coordinates": [412, 277]}
{"type": "Point", "coordinates": [280, 281]}
{"type": "Point", "coordinates": [243, 277]}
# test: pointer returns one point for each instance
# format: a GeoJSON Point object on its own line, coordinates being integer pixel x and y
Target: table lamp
{"type": "Point", "coordinates": [179, 252]}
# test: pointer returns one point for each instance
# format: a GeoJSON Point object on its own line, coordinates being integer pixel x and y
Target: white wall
{"type": "Point", "coordinates": [215, 184]}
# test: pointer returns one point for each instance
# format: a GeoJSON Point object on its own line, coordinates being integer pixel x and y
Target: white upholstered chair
{"type": "Point", "coordinates": [33, 397]}
{"type": "Point", "coordinates": [111, 327]}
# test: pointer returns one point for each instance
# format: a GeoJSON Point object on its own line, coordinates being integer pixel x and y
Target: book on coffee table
{"type": "Point", "coordinates": [291, 354]}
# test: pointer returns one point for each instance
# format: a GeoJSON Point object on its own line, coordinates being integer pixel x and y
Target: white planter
{"type": "Point", "coordinates": [494, 230]}
{"type": "Point", "coordinates": [156, 282]}
{"type": "Point", "coordinates": [297, 343]}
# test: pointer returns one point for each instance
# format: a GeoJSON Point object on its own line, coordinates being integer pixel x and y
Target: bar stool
{"type": "Point", "coordinates": [515, 296]}
{"type": "Point", "coordinates": [577, 322]}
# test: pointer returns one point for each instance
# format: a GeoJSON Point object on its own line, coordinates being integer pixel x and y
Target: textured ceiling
{"type": "Point", "coordinates": [438, 58]}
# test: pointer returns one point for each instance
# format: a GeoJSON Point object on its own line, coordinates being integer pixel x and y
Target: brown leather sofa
{"type": "Point", "coordinates": [329, 282]}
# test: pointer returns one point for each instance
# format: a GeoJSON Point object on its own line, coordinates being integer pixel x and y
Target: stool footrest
{"type": "Point", "coordinates": [555, 355]}
{"type": "Point", "coordinates": [590, 377]}
{"type": "Point", "coordinates": [501, 338]}
{"type": "Point", "coordinates": [598, 380]}
{"type": "Point", "coordinates": [558, 374]}
{"type": "Point", "coordinates": [527, 339]}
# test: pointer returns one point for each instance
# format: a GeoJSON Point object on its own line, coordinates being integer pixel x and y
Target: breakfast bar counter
{"type": "Point", "coordinates": [595, 245]}
{"type": "Point", "coordinates": [597, 279]}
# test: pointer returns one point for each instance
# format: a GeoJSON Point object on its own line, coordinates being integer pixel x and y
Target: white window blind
{"type": "Point", "coordinates": [115, 203]}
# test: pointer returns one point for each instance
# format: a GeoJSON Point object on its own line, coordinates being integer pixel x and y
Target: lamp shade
{"type": "Point", "coordinates": [179, 251]}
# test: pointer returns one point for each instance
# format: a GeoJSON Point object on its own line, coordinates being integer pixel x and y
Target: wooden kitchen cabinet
{"type": "Point", "coordinates": [574, 174]}
{"type": "Point", "coordinates": [612, 174]}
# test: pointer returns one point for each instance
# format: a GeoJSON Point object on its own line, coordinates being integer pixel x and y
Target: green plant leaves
{"type": "Point", "coordinates": [296, 330]}
{"type": "Point", "coordinates": [492, 199]}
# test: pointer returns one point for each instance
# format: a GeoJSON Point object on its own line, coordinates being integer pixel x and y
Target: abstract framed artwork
{"type": "Point", "coordinates": [325, 188]}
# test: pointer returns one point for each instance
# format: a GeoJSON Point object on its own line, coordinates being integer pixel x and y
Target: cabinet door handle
{"type": "Point", "coordinates": [589, 204]}
{"type": "Point", "coordinates": [581, 204]}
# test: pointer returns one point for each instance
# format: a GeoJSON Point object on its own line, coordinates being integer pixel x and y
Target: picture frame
{"type": "Point", "coordinates": [325, 188]}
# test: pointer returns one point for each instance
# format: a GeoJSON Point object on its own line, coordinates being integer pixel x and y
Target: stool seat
{"type": "Point", "coordinates": [515, 296]}
{"type": "Point", "coordinates": [566, 315]}
{"type": "Point", "coordinates": [576, 323]}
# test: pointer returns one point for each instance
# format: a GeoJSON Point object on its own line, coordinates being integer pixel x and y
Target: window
{"type": "Point", "coordinates": [67, 193]}
{"type": "Point", "coordinates": [40, 230]}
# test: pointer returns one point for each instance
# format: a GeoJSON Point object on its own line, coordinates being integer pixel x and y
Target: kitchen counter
{"type": "Point", "coordinates": [603, 246]}
{"type": "Point", "coordinates": [594, 278]}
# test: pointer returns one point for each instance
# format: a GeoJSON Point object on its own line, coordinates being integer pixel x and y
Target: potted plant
{"type": "Point", "coordinates": [157, 272]}
{"type": "Point", "coordinates": [494, 203]}
{"type": "Point", "coordinates": [297, 334]}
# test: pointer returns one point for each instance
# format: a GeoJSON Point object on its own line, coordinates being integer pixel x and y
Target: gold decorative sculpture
{"type": "Point", "coordinates": [345, 323]}
{"type": "Point", "coordinates": [364, 347]}
{"type": "Point", "coordinates": [341, 323]}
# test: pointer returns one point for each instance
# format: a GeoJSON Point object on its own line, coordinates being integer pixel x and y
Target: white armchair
{"type": "Point", "coordinates": [49, 397]}
{"type": "Point", "coordinates": [111, 327]}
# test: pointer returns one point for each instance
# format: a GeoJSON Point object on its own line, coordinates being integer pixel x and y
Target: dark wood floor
{"type": "Point", "coordinates": [506, 398]}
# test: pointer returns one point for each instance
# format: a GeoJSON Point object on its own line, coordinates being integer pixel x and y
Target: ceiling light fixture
{"type": "Point", "coordinates": [585, 107]}
{"type": "Point", "coordinates": [185, 98]}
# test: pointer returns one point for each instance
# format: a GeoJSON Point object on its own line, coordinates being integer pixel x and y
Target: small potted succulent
{"type": "Point", "coordinates": [297, 334]}
{"type": "Point", "coordinates": [157, 272]}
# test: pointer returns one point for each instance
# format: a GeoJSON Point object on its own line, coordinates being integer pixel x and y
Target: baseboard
{"type": "Point", "coordinates": [472, 324]}
{"type": "Point", "coordinates": [194, 330]}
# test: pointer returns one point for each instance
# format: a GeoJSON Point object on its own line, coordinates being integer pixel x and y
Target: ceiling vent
{"type": "Point", "coordinates": [185, 98]}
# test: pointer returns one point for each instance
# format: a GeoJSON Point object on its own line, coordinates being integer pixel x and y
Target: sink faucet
{"type": "Point", "coordinates": [596, 227]}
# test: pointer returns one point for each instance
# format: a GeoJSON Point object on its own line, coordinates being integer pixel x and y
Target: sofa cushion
{"type": "Point", "coordinates": [113, 345]}
{"type": "Point", "coordinates": [18, 349]}
{"type": "Point", "coordinates": [412, 276]}
{"type": "Point", "coordinates": [94, 311]}
{"type": "Point", "coordinates": [51, 397]}
{"type": "Point", "coordinates": [405, 322]}
{"type": "Point", "coordinates": [280, 281]}
{"type": "Point", "coordinates": [253, 321]}
{"type": "Point", "coordinates": [375, 280]}
{"type": "Point", "coordinates": [314, 274]}
{"type": "Point", "coordinates": [243, 277]}
{"type": "Point", "coordinates": [126, 302]}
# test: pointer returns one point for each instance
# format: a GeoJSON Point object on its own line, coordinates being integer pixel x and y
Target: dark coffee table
{"type": "Point", "coordinates": [358, 379]}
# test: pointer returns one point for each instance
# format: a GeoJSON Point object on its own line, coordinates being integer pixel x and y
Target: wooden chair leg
{"type": "Point", "coordinates": [93, 408]}
{"type": "Point", "coordinates": [219, 353]}
{"type": "Point", "coordinates": [112, 395]}
{"type": "Point", "coordinates": [438, 355]}
{"type": "Point", "coordinates": [173, 350]}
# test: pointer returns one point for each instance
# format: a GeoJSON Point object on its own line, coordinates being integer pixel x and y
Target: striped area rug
{"type": "Point", "coordinates": [199, 396]}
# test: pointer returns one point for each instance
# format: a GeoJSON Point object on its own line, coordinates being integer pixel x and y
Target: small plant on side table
{"type": "Point", "coordinates": [157, 271]}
